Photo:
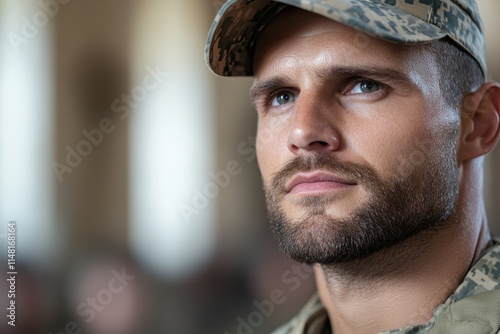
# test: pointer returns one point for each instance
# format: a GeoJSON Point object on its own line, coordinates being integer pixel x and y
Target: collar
{"type": "Point", "coordinates": [473, 307]}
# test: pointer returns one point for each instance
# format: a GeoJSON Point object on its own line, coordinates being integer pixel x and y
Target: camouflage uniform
{"type": "Point", "coordinates": [474, 307]}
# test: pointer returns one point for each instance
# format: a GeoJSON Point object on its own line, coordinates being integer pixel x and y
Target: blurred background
{"type": "Point", "coordinates": [130, 172]}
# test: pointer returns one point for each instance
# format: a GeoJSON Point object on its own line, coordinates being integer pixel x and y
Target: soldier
{"type": "Point", "coordinates": [377, 117]}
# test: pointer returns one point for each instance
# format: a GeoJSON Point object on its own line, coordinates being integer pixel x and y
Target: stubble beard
{"type": "Point", "coordinates": [406, 205]}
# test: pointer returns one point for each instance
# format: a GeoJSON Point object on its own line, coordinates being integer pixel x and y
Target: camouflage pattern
{"type": "Point", "coordinates": [231, 39]}
{"type": "Point", "coordinates": [474, 307]}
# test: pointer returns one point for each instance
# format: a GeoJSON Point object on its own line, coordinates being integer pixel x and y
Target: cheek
{"type": "Point", "coordinates": [412, 153]}
{"type": "Point", "coordinates": [395, 146]}
{"type": "Point", "coordinates": [271, 148]}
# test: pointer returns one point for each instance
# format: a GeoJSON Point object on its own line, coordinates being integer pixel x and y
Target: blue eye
{"type": "Point", "coordinates": [365, 87]}
{"type": "Point", "coordinates": [283, 98]}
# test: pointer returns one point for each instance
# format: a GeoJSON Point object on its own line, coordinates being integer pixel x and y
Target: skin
{"type": "Point", "coordinates": [325, 111]}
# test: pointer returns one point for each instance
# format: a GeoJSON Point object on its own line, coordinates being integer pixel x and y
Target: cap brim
{"type": "Point", "coordinates": [232, 37]}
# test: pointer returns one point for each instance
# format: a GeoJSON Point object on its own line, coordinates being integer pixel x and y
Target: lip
{"type": "Point", "coordinates": [316, 182]}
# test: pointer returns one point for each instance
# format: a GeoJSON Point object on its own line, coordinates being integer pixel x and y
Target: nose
{"type": "Point", "coordinates": [313, 129]}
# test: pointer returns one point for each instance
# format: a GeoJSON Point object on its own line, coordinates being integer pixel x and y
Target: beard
{"type": "Point", "coordinates": [420, 199]}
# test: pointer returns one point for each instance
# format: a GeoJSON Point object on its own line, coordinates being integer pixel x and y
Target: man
{"type": "Point", "coordinates": [374, 119]}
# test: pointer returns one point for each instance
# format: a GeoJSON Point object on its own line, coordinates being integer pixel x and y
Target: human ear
{"type": "Point", "coordinates": [480, 121]}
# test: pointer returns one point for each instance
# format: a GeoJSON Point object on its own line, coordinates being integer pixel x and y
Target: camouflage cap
{"type": "Point", "coordinates": [231, 40]}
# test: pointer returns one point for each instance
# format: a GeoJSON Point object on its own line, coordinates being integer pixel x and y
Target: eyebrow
{"type": "Point", "coordinates": [364, 71]}
{"type": "Point", "coordinates": [259, 89]}
{"type": "Point", "coordinates": [372, 72]}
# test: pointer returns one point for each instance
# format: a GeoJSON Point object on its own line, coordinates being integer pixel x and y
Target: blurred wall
{"type": "Point", "coordinates": [91, 64]}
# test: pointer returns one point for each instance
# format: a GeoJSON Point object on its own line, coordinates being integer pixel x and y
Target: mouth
{"type": "Point", "coordinates": [316, 183]}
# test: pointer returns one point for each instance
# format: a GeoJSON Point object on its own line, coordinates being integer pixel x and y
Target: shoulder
{"type": "Point", "coordinates": [475, 306]}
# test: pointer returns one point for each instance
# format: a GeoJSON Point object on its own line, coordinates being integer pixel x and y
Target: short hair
{"type": "Point", "coordinates": [459, 72]}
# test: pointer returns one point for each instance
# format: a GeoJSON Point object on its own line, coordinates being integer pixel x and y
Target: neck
{"type": "Point", "coordinates": [402, 285]}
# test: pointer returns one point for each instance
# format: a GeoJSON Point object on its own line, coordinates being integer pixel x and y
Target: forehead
{"type": "Point", "coordinates": [298, 37]}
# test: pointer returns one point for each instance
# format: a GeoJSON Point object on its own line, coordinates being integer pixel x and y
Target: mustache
{"type": "Point", "coordinates": [353, 172]}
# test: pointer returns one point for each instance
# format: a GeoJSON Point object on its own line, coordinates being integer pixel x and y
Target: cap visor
{"type": "Point", "coordinates": [231, 40]}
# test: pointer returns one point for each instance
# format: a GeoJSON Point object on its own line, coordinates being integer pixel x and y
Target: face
{"type": "Point", "coordinates": [356, 146]}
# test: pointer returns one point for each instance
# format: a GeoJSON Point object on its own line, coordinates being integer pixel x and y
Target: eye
{"type": "Point", "coordinates": [366, 87]}
{"type": "Point", "coordinates": [282, 98]}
